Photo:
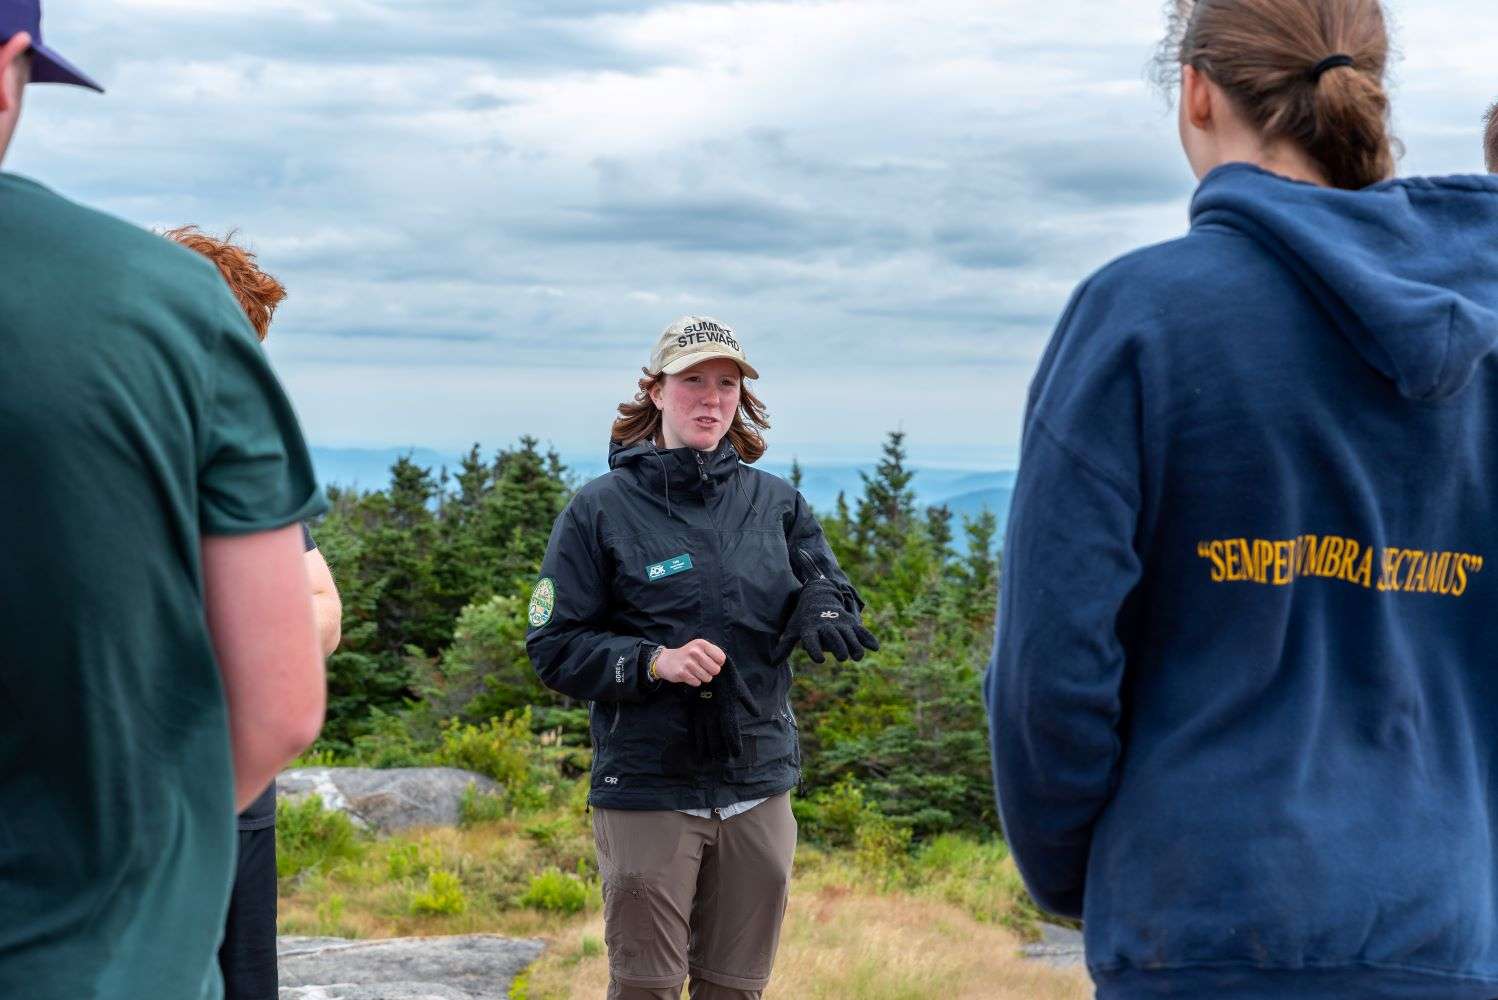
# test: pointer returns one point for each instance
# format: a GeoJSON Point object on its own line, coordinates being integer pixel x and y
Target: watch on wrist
{"type": "Point", "coordinates": [650, 664]}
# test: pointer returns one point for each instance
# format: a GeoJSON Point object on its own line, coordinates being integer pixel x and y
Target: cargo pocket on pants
{"type": "Point", "coordinates": [638, 951]}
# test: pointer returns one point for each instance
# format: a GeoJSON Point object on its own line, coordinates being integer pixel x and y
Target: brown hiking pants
{"type": "Point", "coordinates": [687, 895]}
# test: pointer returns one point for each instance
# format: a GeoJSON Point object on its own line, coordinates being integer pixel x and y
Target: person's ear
{"type": "Point", "coordinates": [655, 391]}
{"type": "Point", "coordinates": [1196, 97]}
{"type": "Point", "coordinates": [14, 50]}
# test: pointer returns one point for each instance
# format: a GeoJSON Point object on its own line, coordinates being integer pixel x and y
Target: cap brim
{"type": "Point", "coordinates": [686, 361]}
{"type": "Point", "coordinates": [49, 67]}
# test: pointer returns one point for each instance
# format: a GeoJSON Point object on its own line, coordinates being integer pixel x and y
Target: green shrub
{"type": "Point", "coordinates": [444, 895]}
{"type": "Point", "coordinates": [390, 743]}
{"type": "Point", "coordinates": [409, 860]}
{"type": "Point", "coordinates": [557, 892]}
{"type": "Point", "coordinates": [882, 848]}
{"type": "Point", "coordinates": [316, 757]}
{"type": "Point", "coordinates": [311, 837]}
{"type": "Point", "coordinates": [500, 748]}
{"type": "Point", "coordinates": [547, 833]}
{"type": "Point", "coordinates": [978, 876]}
{"type": "Point", "coordinates": [481, 807]}
{"type": "Point", "coordinates": [485, 672]}
{"type": "Point", "coordinates": [589, 947]}
{"type": "Point", "coordinates": [842, 816]}
{"type": "Point", "coordinates": [530, 796]}
{"type": "Point", "coordinates": [832, 817]}
{"type": "Point", "coordinates": [330, 916]}
{"type": "Point", "coordinates": [952, 853]}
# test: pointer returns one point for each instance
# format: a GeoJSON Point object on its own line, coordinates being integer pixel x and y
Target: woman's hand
{"type": "Point", "coordinates": [695, 664]}
{"type": "Point", "coordinates": [821, 622]}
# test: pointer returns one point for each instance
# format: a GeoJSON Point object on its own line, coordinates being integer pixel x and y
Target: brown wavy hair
{"type": "Point", "coordinates": [1262, 52]}
{"type": "Point", "coordinates": [639, 419]}
{"type": "Point", "coordinates": [258, 293]}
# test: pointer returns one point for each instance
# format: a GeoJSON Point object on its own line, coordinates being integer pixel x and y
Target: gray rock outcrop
{"type": "Point", "coordinates": [390, 991]}
{"type": "Point", "coordinates": [386, 799]}
{"type": "Point", "coordinates": [1058, 946]}
{"type": "Point", "coordinates": [469, 967]}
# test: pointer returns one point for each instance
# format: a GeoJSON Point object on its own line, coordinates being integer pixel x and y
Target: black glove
{"type": "Point", "coordinates": [822, 621]}
{"type": "Point", "coordinates": [716, 711]}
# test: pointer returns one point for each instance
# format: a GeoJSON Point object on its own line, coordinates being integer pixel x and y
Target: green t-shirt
{"type": "Point", "coordinates": [137, 413]}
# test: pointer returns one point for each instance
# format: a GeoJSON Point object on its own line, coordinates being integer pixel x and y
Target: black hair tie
{"type": "Point", "coordinates": [1330, 62]}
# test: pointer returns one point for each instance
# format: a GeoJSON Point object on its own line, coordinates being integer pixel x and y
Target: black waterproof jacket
{"type": "Point", "coordinates": [667, 547]}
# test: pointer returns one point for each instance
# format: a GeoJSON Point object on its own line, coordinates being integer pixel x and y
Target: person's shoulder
{"type": "Point", "coordinates": [114, 254]}
{"type": "Point", "coordinates": [596, 493]}
{"type": "Point", "coordinates": [771, 492]}
{"type": "Point", "coordinates": [49, 214]}
{"type": "Point", "coordinates": [1156, 288]}
{"type": "Point", "coordinates": [768, 482]}
{"type": "Point", "coordinates": [1161, 272]}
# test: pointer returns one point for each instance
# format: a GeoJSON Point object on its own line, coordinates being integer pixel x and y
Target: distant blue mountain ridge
{"type": "Point", "coordinates": [966, 492]}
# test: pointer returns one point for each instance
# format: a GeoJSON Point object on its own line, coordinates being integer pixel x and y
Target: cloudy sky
{"type": "Point", "coordinates": [486, 211]}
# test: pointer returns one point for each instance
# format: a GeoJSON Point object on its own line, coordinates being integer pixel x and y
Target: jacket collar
{"type": "Point", "coordinates": [683, 468]}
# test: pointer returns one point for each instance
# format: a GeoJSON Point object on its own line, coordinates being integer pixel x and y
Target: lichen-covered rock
{"type": "Point", "coordinates": [468, 967]}
{"type": "Point", "coordinates": [387, 799]}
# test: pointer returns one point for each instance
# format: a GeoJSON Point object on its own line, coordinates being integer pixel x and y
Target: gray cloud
{"type": "Point", "coordinates": [481, 208]}
{"type": "Point", "coordinates": [1107, 172]}
{"type": "Point", "coordinates": [722, 225]}
{"type": "Point", "coordinates": [540, 37]}
{"type": "Point", "coordinates": [983, 247]}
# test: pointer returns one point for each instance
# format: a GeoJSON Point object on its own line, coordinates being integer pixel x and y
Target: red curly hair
{"type": "Point", "coordinates": [258, 293]}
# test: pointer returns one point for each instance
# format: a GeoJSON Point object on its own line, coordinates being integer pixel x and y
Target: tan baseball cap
{"type": "Point", "coordinates": [692, 340]}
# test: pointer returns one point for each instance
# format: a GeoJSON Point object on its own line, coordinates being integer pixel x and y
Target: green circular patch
{"type": "Point", "coordinates": [543, 602]}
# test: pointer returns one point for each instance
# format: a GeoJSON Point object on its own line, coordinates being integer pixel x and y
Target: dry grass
{"type": "Point", "coordinates": [946, 923]}
{"type": "Point", "coordinates": [840, 944]}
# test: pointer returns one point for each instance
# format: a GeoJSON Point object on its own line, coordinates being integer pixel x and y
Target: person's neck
{"type": "Point", "coordinates": [664, 443]}
{"type": "Point", "coordinates": [1280, 157]}
{"type": "Point", "coordinates": [1291, 162]}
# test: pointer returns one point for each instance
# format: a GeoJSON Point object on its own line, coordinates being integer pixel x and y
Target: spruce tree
{"type": "Point", "coordinates": [939, 527]}
{"type": "Point", "coordinates": [887, 507]}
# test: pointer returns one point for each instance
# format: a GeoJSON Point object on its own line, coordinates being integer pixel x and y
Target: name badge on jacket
{"type": "Point", "coordinates": [672, 566]}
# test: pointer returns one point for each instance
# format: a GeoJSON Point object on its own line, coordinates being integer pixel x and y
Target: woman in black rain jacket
{"type": "Point", "coordinates": [672, 593]}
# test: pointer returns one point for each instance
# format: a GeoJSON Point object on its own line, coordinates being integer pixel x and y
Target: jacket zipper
{"type": "Point", "coordinates": [722, 612]}
{"type": "Point", "coordinates": [812, 563]}
{"type": "Point", "coordinates": [707, 485]}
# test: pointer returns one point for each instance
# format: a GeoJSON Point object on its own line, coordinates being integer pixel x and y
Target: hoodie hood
{"type": "Point", "coordinates": [1406, 269]}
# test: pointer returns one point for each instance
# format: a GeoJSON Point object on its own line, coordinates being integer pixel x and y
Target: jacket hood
{"type": "Point", "coordinates": [675, 468]}
{"type": "Point", "coordinates": [1407, 269]}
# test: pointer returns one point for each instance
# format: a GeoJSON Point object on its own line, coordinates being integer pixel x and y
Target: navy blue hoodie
{"type": "Point", "coordinates": [1244, 699]}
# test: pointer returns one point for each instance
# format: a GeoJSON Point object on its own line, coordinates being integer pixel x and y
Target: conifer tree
{"type": "Point", "coordinates": [887, 507]}
{"type": "Point", "coordinates": [939, 527]}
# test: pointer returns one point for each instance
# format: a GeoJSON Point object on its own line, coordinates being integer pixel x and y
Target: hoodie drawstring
{"type": "Point", "coordinates": [665, 479]}
{"type": "Point", "coordinates": [737, 472]}
{"type": "Point", "coordinates": [666, 482]}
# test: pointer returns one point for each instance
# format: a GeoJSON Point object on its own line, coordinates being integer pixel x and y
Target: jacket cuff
{"type": "Point", "coordinates": [846, 596]}
{"type": "Point", "coordinates": [642, 665]}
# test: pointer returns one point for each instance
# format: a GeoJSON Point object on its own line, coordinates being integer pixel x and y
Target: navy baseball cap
{"type": "Point", "coordinates": [47, 66]}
